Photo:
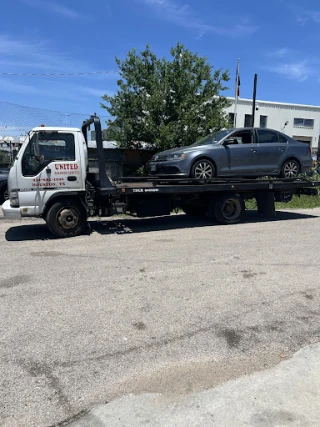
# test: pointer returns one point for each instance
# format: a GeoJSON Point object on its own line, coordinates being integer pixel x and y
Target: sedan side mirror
{"type": "Point", "coordinates": [230, 141]}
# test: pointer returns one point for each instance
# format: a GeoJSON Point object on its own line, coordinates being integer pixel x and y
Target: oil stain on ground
{"type": "Point", "coordinates": [17, 280]}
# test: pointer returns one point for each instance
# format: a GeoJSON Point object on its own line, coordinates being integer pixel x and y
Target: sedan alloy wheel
{"type": "Point", "coordinates": [290, 169]}
{"type": "Point", "coordinates": [203, 169]}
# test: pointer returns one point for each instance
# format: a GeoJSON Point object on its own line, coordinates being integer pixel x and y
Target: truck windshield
{"type": "Point", "coordinates": [43, 148]}
{"type": "Point", "coordinates": [212, 138]}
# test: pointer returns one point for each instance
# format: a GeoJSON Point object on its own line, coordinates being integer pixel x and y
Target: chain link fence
{"type": "Point", "coordinates": [16, 120]}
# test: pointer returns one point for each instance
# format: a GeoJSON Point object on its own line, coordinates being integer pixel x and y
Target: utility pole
{"type": "Point", "coordinates": [237, 93]}
{"type": "Point", "coordinates": [254, 98]}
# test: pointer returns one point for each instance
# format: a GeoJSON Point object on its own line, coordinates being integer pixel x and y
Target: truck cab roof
{"type": "Point", "coordinates": [54, 129]}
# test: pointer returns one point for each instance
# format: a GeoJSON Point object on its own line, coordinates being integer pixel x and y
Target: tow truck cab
{"type": "Point", "coordinates": [52, 162]}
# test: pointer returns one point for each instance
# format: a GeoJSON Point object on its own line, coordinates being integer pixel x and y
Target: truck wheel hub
{"type": "Point", "coordinates": [68, 218]}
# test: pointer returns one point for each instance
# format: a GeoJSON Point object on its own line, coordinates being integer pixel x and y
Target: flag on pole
{"type": "Point", "coordinates": [238, 80]}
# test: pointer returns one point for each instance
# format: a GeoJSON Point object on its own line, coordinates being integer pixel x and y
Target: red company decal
{"type": "Point", "coordinates": [67, 166]}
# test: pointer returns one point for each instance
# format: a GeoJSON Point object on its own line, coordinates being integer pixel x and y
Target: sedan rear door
{"type": "Point", "coordinates": [272, 148]}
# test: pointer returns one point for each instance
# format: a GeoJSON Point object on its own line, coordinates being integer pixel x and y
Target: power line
{"type": "Point", "coordinates": [59, 74]}
{"type": "Point", "coordinates": [39, 109]}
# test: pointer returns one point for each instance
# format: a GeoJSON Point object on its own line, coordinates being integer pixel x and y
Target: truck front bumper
{"type": "Point", "coordinates": [9, 212]}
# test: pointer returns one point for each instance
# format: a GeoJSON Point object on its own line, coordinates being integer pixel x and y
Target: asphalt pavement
{"type": "Point", "coordinates": [174, 308]}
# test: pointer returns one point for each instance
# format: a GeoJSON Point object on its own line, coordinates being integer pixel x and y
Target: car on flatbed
{"type": "Point", "coordinates": [246, 152]}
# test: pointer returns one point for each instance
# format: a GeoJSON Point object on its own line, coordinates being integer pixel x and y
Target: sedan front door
{"type": "Point", "coordinates": [239, 156]}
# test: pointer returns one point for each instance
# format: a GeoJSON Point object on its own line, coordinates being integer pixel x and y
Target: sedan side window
{"type": "Point", "coordinates": [266, 136]}
{"type": "Point", "coordinates": [243, 137]}
{"type": "Point", "coordinates": [282, 138]}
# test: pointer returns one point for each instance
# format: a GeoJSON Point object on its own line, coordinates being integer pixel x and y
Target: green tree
{"type": "Point", "coordinates": [166, 102]}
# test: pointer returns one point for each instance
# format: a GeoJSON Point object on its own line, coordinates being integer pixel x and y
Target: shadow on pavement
{"type": "Point", "coordinates": [142, 225]}
{"type": "Point", "coordinates": [28, 232]}
{"type": "Point", "coordinates": [175, 222]}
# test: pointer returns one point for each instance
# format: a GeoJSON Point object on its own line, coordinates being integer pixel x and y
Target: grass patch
{"type": "Point", "coordinates": [302, 202]}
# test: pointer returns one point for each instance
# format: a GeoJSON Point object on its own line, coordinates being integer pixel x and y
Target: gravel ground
{"type": "Point", "coordinates": [174, 307]}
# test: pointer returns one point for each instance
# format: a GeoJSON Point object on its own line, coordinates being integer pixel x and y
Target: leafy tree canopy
{"type": "Point", "coordinates": [166, 102]}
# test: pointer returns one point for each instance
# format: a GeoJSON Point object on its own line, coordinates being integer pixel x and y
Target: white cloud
{"type": "Point", "coordinates": [308, 15]}
{"type": "Point", "coordinates": [302, 14]}
{"type": "Point", "coordinates": [298, 71]}
{"type": "Point", "coordinates": [53, 91]}
{"type": "Point", "coordinates": [20, 55]}
{"type": "Point", "coordinates": [182, 15]}
{"type": "Point", "coordinates": [23, 56]}
{"type": "Point", "coordinates": [98, 93]}
{"type": "Point", "coordinates": [31, 53]}
{"type": "Point", "coordinates": [54, 7]}
{"type": "Point", "coordinates": [279, 53]}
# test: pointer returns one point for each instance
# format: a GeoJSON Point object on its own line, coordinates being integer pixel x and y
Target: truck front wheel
{"type": "Point", "coordinates": [66, 218]}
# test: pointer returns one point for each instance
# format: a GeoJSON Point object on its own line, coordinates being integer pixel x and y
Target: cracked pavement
{"type": "Point", "coordinates": [177, 306]}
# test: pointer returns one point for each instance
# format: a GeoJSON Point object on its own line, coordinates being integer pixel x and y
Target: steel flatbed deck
{"type": "Point", "coordinates": [185, 186]}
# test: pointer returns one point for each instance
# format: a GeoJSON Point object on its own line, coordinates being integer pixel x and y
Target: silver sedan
{"type": "Point", "coordinates": [246, 152]}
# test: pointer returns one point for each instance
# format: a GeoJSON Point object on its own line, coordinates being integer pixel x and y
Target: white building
{"type": "Point", "coordinates": [301, 122]}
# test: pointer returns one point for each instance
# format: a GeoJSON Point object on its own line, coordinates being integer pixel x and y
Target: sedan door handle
{"type": "Point", "coordinates": [281, 149]}
{"type": "Point", "coordinates": [72, 178]}
{"type": "Point", "coordinates": [253, 150]}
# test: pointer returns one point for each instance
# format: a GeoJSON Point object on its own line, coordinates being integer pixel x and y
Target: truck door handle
{"type": "Point", "coordinates": [72, 178]}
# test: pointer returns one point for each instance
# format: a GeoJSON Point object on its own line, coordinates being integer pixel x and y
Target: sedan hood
{"type": "Point", "coordinates": [173, 151]}
{"type": "Point", "coordinates": [185, 149]}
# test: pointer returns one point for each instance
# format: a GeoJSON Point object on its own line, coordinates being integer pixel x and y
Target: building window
{"type": "Point", "coordinates": [247, 120]}
{"type": "Point", "coordinates": [231, 119]}
{"type": "Point", "coordinates": [263, 121]}
{"type": "Point", "coordinates": [303, 123]}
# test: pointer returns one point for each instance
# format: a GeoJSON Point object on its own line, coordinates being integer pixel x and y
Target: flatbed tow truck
{"type": "Point", "coordinates": [51, 179]}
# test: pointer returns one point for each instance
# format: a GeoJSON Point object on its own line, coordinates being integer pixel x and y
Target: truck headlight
{"type": "Point", "coordinates": [14, 199]}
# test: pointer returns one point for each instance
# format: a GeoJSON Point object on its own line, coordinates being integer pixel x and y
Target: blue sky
{"type": "Point", "coordinates": [278, 40]}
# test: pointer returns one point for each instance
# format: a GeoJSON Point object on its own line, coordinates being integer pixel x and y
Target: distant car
{"type": "Point", "coordinates": [4, 173]}
{"type": "Point", "coordinates": [246, 152]}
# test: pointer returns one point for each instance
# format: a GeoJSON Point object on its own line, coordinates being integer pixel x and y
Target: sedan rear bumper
{"type": "Point", "coordinates": [306, 166]}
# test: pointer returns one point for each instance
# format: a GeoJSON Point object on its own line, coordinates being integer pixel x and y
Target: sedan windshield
{"type": "Point", "coordinates": [212, 138]}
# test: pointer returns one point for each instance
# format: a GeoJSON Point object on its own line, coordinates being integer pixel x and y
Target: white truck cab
{"type": "Point", "coordinates": [51, 162]}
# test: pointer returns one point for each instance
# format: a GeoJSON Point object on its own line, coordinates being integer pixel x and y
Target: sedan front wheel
{"type": "Point", "coordinates": [203, 169]}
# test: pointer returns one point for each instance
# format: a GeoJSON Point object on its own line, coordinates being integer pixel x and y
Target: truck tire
{"type": "Point", "coordinates": [66, 218]}
{"type": "Point", "coordinates": [195, 210]}
{"type": "Point", "coordinates": [227, 208]}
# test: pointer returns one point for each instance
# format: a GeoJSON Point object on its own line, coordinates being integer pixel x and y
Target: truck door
{"type": "Point", "coordinates": [49, 163]}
